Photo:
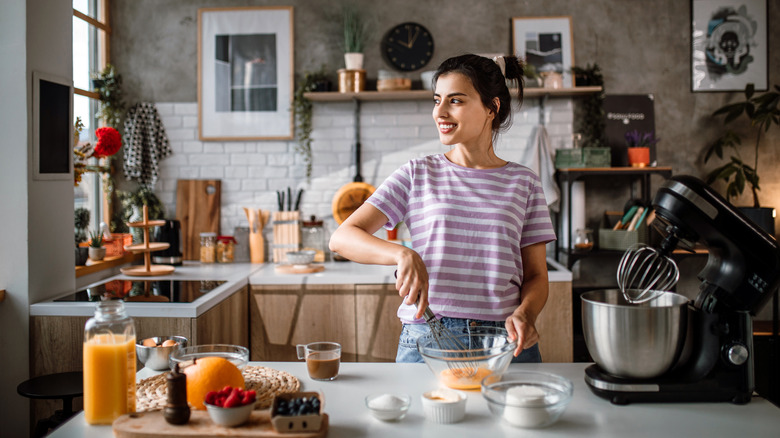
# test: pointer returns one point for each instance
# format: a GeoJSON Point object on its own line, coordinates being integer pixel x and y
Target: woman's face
{"type": "Point", "coordinates": [460, 116]}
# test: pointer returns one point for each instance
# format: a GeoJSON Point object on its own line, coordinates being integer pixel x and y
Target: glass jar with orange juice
{"type": "Point", "coordinates": [109, 363]}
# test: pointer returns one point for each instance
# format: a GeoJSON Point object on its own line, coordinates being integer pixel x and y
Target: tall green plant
{"type": "Point", "coordinates": [80, 223]}
{"type": "Point", "coordinates": [763, 111]}
{"type": "Point", "coordinates": [355, 30]}
{"type": "Point", "coordinates": [303, 114]}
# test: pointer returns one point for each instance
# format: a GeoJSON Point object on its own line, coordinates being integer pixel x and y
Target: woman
{"type": "Point", "coordinates": [478, 223]}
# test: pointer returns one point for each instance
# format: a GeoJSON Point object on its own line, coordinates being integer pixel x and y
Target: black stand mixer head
{"type": "Point", "coordinates": [741, 275]}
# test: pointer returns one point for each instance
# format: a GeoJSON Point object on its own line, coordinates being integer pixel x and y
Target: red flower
{"type": "Point", "coordinates": [109, 142]}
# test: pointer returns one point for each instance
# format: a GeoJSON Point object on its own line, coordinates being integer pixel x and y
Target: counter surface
{"type": "Point", "coordinates": [586, 415]}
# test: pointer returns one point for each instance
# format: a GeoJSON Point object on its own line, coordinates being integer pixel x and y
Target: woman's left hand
{"type": "Point", "coordinates": [520, 328]}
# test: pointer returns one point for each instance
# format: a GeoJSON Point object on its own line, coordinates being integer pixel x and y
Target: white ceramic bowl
{"type": "Point", "coordinates": [230, 417]}
{"type": "Point", "coordinates": [301, 257]}
{"type": "Point", "coordinates": [527, 399]}
{"type": "Point", "coordinates": [234, 353]}
{"type": "Point", "coordinates": [444, 406]}
{"type": "Point", "coordinates": [156, 358]}
{"type": "Point", "coordinates": [382, 406]}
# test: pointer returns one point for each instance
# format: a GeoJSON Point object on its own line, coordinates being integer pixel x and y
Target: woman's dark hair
{"type": "Point", "coordinates": [487, 79]}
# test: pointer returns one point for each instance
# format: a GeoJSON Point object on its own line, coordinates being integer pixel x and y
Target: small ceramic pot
{"type": "Point", "coordinates": [97, 254]}
{"type": "Point", "coordinates": [81, 255]}
{"type": "Point", "coordinates": [353, 61]}
{"type": "Point", "coordinates": [638, 156]}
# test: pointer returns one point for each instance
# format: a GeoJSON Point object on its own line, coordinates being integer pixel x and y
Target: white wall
{"type": "Point", "coordinates": [36, 257]}
{"type": "Point", "coordinates": [391, 134]}
{"type": "Point", "coordinates": [13, 215]}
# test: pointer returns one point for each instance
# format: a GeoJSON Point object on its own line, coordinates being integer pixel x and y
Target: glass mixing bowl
{"type": "Point", "coordinates": [487, 350]}
{"type": "Point", "coordinates": [234, 353]}
{"type": "Point", "coordinates": [527, 399]}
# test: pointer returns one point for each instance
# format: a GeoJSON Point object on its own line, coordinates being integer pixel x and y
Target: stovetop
{"type": "Point", "coordinates": [156, 291]}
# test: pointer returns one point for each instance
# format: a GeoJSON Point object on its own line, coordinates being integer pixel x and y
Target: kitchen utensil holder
{"type": "Point", "coordinates": [287, 234]}
{"type": "Point", "coordinates": [619, 239]}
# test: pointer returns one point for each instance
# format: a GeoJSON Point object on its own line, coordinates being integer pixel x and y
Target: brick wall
{"type": "Point", "coordinates": [391, 134]}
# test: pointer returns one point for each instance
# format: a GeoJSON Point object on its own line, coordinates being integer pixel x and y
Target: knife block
{"type": "Point", "coordinates": [287, 234]}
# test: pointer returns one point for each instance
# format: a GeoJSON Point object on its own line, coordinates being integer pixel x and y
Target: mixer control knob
{"type": "Point", "coordinates": [737, 354]}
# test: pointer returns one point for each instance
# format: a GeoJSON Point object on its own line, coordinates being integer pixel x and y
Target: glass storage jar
{"type": "Point", "coordinates": [225, 249]}
{"type": "Point", "coordinates": [208, 247]}
{"type": "Point", "coordinates": [314, 237]}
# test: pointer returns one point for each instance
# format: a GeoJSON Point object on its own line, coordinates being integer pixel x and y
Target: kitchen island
{"type": "Point", "coordinates": [586, 415]}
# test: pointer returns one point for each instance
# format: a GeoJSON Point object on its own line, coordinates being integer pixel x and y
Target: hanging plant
{"type": "Point", "coordinates": [108, 84]}
{"type": "Point", "coordinates": [591, 120]}
{"type": "Point", "coordinates": [311, 81]}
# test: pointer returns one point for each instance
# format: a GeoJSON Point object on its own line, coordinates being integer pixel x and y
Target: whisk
{"type": "Point", "coordinates": [644, 273]}
{"type": "Point", "coordinates": [449, 343]}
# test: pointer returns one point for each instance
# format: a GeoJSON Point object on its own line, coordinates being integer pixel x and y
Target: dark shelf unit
{"type": "Point", "coordinates": [568, 176]}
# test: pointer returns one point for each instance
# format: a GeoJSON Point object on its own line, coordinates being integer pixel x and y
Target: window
{"type": "Point", "coordinates": [90, 55]}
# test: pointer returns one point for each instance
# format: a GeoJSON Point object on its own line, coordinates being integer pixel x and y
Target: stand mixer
{"type": "Point", "coordinates": [739, 278]}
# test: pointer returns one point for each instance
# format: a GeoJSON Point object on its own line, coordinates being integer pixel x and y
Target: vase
{"type": "Point", "coordinates": [638, 156]}
{"type": "Point", "coordinates": [353, 61]}
{"type": "Point", "coordinates": [82, 252]}
{"type": "Point", "coordinates": [97, 254]}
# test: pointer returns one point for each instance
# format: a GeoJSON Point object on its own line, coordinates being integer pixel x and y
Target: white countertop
{"type": "Point", "coordinates": [236, 276]}
{"type": "Point", "coordinates": [586, 415]}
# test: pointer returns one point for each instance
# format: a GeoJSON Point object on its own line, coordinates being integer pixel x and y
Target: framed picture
{"type": "Point", "coordinates": [546, 43]}
{"type": "Point", "coordinates": [52, 126]}
{"type": "Point", "coordinates": [729, 47]}
{"type": "Point", "coordinates": [245, 73]}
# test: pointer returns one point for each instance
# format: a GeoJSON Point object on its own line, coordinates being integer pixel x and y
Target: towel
{"type": "Point", "coordinates": [539, 157]}
{"type": "Point", "coordinates": [146, 144]}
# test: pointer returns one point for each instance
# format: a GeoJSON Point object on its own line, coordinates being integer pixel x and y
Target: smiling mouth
{"type": "Point", "coordinates": [445, 128]}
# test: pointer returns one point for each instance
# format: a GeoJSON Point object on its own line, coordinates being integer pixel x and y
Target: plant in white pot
{"type": "Point", "coordinates": [355, 32]}
{"type": "Point", "coordinates": [763, 110]}
{"type": "Point", "coordinates": [97, 251]}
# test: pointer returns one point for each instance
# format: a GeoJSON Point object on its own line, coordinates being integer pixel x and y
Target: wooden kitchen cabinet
{"type": "Point", "coordinates": [359, 317]}
{"type": "Point", "coordinates": [555, 326]}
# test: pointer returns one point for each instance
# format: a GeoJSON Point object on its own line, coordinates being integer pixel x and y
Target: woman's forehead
{"type": "Point", "coordinates": [454, 82]}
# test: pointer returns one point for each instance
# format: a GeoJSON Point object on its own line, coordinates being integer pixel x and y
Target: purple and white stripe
{"type": "Point", "coordinates": [468, 225]}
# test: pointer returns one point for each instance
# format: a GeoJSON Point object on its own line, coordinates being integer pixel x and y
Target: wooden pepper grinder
{"type": "Point", "coordinates": [177, 411]}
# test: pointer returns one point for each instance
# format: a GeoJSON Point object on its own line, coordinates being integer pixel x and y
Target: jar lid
{"type": "Point", "coordinates": [208, 234]}
{"type": "Point", "coordinates": [226, 239]}
{"type": "Point", "coordinates": [312, 222]}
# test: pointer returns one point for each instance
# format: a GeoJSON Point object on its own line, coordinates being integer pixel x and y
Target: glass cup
{"type": "Point", "coordinates": [322, 359]}
{"type": "Point", "coordinates": [583, 241]}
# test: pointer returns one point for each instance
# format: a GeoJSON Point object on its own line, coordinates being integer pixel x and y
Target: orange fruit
{"type": "Point", "coordinates": [210, 374]}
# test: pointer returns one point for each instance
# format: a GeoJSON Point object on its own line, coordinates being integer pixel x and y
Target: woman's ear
{"type": "Point", "coordinates": [497, 104]}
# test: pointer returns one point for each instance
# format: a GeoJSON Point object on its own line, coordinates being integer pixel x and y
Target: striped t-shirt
{"type": "Point", "coordinates": [468, 225]}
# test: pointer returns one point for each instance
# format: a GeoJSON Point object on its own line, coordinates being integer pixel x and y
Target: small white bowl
{"type": "Point", "coordinates": [444, 406]}
{"type": "Point", "coordinates": [301, 257]}
{"type": "Point", "coordinates": [374, 403]}
{"type": "Point", "coordinates": [230, 417]}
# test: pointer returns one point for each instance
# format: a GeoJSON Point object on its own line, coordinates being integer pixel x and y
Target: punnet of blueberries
{"type": "Point", "coordinates": [298, 406]}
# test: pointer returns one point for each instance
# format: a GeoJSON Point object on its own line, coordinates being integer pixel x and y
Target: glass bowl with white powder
{"type": "Point", "coordinates": [387, 406]}
{"type": "Point", "coordinates": [527, 399]}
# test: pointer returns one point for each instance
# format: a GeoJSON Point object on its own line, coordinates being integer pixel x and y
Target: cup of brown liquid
{"type": "Point", "coordinates": [322, 359]}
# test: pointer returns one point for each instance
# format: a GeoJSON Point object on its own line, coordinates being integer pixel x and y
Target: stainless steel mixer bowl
{"type": "Point", "coordinates": [634, 340]}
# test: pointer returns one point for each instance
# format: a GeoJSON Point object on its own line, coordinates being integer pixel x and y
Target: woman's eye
{"type": "Point", "coordinates": [436, 101]}
{"type": "Point", "coordinates": [455, 101]}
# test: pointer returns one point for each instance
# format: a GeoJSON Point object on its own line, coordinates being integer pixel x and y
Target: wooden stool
{"type": "Point", "coordinates": [64, 386]}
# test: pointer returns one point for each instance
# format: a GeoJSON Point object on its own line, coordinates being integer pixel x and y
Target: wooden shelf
{"type": "Point", "coordinates": [106, 263]}
{"type": "Point", "coordinates": [368, 96]}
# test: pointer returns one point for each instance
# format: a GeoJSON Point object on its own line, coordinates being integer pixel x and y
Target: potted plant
{"type": "Point", "coordinates": [639, 144]}
{"type": "Point", "coordinates": [762, 111]}
{"type": "Point", "coordinates": [355, 32]}
{"type": "Point", "coordinates": [80, 223]}
{"type": "Point", "coordinates": [310, 81]}
{"type": "Point", "coordinates": [96, 249]}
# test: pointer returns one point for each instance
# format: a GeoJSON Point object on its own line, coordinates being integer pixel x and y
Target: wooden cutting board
{"type": "Point", "coordinates": [153, 425]}
{"type": "Point", "coordinates": [197, 209]}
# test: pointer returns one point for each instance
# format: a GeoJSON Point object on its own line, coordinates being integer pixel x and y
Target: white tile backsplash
{"type": "Point", "coordinates": [391, 134]}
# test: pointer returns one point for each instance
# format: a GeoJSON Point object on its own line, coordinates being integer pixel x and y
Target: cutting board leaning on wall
{"type": "Point", "coordinates": [197, 209]}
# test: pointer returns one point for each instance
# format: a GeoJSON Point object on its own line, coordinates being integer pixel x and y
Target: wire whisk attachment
{"type": "Point", "coordinates": [644, 273]}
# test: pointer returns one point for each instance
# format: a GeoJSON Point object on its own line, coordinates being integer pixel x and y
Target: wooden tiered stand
{"type": "Point", "coordinates": [148, 269]}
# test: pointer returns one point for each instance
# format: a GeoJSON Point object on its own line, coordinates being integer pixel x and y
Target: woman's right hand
{"type": "Point", "coordinates": [412, 280]}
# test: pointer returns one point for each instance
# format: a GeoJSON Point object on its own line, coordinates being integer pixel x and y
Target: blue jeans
{"type": "Point", "coordinates": [407, 342]}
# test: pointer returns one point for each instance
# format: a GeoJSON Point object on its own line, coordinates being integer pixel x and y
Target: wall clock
{"type": "Point", "coordinates": [407, 46]}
